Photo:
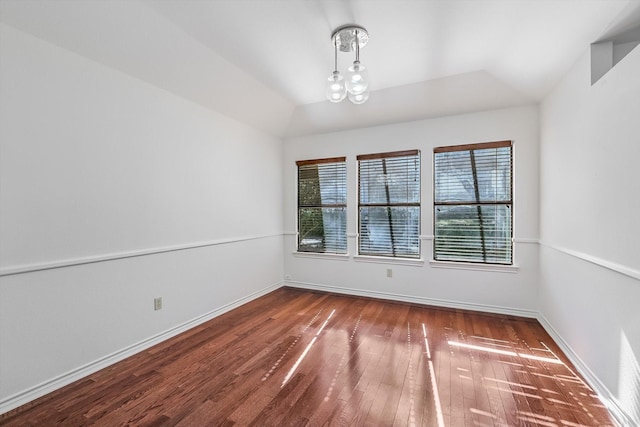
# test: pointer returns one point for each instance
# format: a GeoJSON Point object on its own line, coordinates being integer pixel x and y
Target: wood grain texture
{"type": "Point", "coordinates": [295, 358]}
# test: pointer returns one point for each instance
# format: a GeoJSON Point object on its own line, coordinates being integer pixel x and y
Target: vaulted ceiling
{"type": "Point", "coordinates": [264, 62]}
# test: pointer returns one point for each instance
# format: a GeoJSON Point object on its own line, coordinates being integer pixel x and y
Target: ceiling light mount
{"type": "Point", "coordinates": [349, 38]}
{"type": "Point", "coordinates": [344, 37]}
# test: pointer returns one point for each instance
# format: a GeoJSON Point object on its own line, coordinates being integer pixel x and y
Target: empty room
{"type": "Point", "coordinates": [320, 212]}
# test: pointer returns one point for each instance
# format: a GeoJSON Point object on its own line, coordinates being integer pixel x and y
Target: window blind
{"type": "Point", "coordinates": [389, 204]}
{"type": "Point", "coordinates": [322, 205]}
{"type": "Point", "coordinates": [473, 203]}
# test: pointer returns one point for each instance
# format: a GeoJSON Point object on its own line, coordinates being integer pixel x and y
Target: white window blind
{"type": "Point", "coordinates": [322, 205]}
{"type": "Point", "coordinates": [389, 204]}
{"type": "Point", "coordinates": [473, 212]}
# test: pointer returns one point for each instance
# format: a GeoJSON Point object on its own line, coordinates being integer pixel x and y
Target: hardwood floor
{"type": "Point", "coordinates": [298, 358]}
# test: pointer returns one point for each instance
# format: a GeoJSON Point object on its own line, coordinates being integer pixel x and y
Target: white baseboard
{"type": "Point", "coordinates": [592, 380]}
{"type": "Point", "coordinates": [53, 384]}
{"type": "Point", "coordinates": [415, 299]}
{"type": "Point", "coordinates": [60, 381]}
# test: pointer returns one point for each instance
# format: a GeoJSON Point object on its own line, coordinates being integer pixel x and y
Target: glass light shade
{"type": "Point", "coordinates": [336, 89]}
{"type": "Point", "coordinates": [360, 98]}
{"type": "Point", "coordinates": [357, 80]}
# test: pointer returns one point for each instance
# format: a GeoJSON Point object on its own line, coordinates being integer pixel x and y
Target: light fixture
{"type": "Point", "coordinates": [349, 38]}
{"type": "Point", "coordinates": [336, 89]}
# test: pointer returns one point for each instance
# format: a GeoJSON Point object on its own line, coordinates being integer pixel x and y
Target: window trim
{"type": "Point", "coordinates": [405, 153]}
{"type": "Point", "coordinates": [475, 266]}
{"type": "Point", "coordinates": [368, 257]}
{"type": "Point", "coordinates": [474, 146]}
{"type": "Point", "coordinates": [321, 161]}
{"type": "Point", "coordinates": [470, 263]}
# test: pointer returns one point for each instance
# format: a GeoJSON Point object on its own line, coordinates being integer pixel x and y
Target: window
{"type": "Point", "coordinates": [322, 205]}
{"type": "Point", "coordinates": [473, 203]}
{"type": "Point", "coordinates": [389, 204]}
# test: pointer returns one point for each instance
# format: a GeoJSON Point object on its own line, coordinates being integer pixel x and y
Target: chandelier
{"type": "Point", "coordinates": [355, 83]}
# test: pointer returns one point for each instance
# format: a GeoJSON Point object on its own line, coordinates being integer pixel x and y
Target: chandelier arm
{"type": "Point", "coordinates": [335, 55]}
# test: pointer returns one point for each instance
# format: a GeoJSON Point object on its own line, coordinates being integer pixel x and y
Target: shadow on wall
{"type": "Point", "coordinates": [629, 379]}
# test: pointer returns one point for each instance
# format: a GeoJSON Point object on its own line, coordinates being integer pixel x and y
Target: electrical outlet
{"type": "Point", "coordinates": [157, 303]}
{"type": "Point", "coordinates": [389, 272]}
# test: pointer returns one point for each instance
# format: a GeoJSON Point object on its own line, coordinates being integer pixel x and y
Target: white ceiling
{"type": "Point", "coordinates": [264, 62]}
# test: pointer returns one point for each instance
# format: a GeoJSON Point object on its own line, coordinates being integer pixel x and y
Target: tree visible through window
{"type": "Point", "coordinates": [389, 204]}
{"type": "Point", "coordinates": [473, 203]}
{"type": "Point", "coordinates": [322, 205]}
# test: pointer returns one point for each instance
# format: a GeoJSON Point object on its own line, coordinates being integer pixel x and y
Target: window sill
{"type": "Point", "coordinates": [389, 260]}
{"type": "Point", "coordinates": [475, 266]}
{"type": "Point", "coordinates": [320, 255]}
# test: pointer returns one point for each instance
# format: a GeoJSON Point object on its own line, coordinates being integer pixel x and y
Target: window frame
{"type": "Point", "coordinates": [393, 256]}
{"type": "Point", "coordinates": [299, 164]}
{"type": "Point", "coordinates": [477, 203]}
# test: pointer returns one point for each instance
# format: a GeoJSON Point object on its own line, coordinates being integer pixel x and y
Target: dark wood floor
{"type": "Point", "coordinates": [300, 358]}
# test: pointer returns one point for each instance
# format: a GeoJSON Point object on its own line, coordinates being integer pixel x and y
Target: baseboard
{"type": "Point", "coordinates": [53, 384]}
{"type": "Point", "coordinates": [592, 380]}
{"type": "Point", "coordinates": [493, 309]}
{"type": "Point", "coordinates": [60, 381]}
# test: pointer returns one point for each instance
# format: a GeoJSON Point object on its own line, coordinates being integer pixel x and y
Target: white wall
{"type": "Point", "coordinates": [590, 232]}
{"type": "Point", "coordinates": [98, 166]}
{"type": "Point", "coordinates": [113, 192]}
{"type": "Point", "coordinates": [511, 292]}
